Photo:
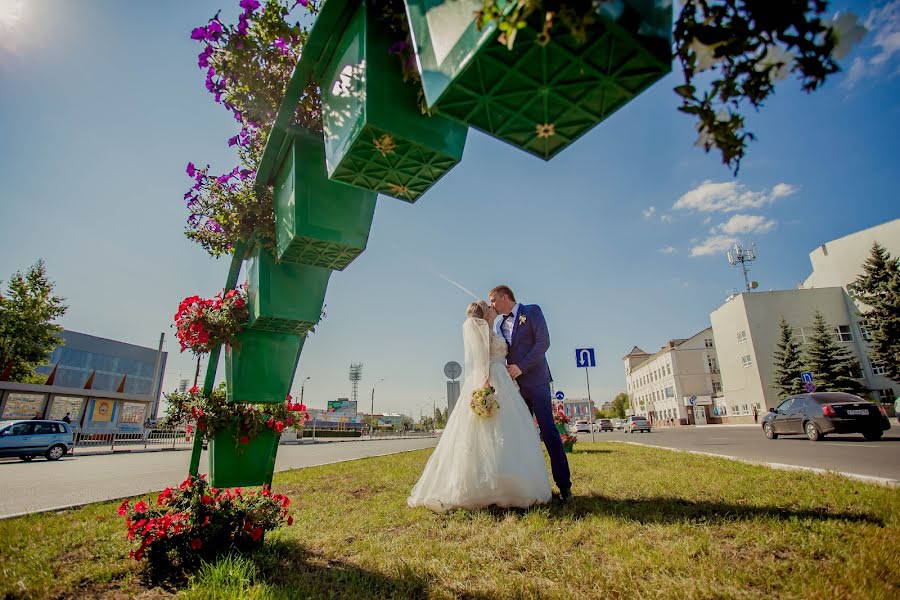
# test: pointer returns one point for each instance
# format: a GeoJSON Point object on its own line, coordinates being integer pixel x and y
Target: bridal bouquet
{"type": "Point", "coordinates": [484, 402]}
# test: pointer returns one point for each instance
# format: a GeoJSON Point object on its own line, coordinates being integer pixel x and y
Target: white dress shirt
{"type": "Point", "coordinates": [506, 325]}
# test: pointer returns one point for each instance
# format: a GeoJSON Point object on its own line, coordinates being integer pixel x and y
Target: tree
{"type": "Point", "coordinates": [788, 363]}
{"type": "Point", "coordinates": [877, 292]}
{"type": "Point", "coordinates": [27, 332]}
{"type": "Point", "coordinates": [832, 366]}
{"type": "Point", "coordinates": [619, 405]}
{"type": "Point", "coordinates": [440, 418]}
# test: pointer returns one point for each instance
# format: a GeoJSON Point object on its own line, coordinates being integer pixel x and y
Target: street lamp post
{"type": "Point", "coordinates": [372, 414]}
{"type": "Point", "coordinates": [302, 386]}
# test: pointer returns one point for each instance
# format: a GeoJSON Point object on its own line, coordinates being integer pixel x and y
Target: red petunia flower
{"type": "Point", "coordinates": [256, 533]}
{"type": "Point", "coordinates": [140, 507]}
{"type": "Point", "coordinates": [123, 508]}
{"type": "Point", "coordinates": [196, 544]}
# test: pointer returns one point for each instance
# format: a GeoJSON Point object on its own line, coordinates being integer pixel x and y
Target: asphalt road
{"type": "Point", "coordinates": [842, 453]}
{"type": "Point", "coordinates": [43, 485]}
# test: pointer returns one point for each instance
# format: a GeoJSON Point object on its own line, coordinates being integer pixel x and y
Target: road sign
{"type": "Point", "coordinates": [452, 370]}
{"type": "Point", "coordinates": [809, 387]}
{"type": "Point", "coordinates": [693, 400]}
{"type": "Point", "coordinates": [560, 395]}
{"type": "Point", "coordinates": [806, 376]}
{"type": "Point", "coordinates": [584, 357]}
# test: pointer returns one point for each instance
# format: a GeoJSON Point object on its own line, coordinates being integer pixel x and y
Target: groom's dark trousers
{"type": "Point", "coordinates": [530, 341]}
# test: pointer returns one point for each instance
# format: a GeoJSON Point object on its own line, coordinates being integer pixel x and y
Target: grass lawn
{"type": "Point", "coordinates": [646, 523]}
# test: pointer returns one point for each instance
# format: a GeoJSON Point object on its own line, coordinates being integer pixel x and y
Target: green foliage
{"type": "Point", "coordinates": [27, 332]}
{"type": "Point", "coordinates": [788, 363]}
{"type": "Point", "coordinates": [832, 366]}
{"type": "Point", "coordinates": [619, 405]}
{"type": "Point", "coordinates": [877, 290]}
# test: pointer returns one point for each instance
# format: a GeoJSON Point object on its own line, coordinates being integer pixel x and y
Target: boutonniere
{"type": "Point", "coordinates": [522, 319]}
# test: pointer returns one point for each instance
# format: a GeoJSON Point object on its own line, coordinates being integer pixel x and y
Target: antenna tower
{"type": "Point", "coordinates": [355, 376]}
{"type": "Point", "coordinates": [740, 256]}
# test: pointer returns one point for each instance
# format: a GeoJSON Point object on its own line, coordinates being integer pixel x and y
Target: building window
{"type": "Point", "coordinates": [670, 392]}
{"type": "Point", "coordinates": [842, 334]}
{"type": "Point", "coordinates": [709, 343]}
{"type": "Point", "coordinates": [669, 369]}
{"type": "Point", "coordinates": [713, 364]}
{"type": "Point", "coordinates": [864, 332]}
{"type": "Point", "coordinates": [735, 411]}
{"type": "Point", "coordinates": [799, 336]}
{"type": "Point", "coordinates": [717, 387]}
{"type": "Point", "coordinates": [745, 409]}
{"type": "Point", "coordinates": [878, 368]}
{"type": "Point", "coordinates": [741, 337]}
{"type": "Point", "coordinates": [746, 361]}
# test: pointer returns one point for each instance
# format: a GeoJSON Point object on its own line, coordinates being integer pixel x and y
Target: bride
{"type": "Point", "coordinates": [483, 461]}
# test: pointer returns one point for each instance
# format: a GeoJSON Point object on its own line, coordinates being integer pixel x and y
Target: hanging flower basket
{"type": "Point", "coordinates": [284, 297]}
{"type": "Point", "coordinates": [376, 137]}
{"type": "Point", "coordinates": [318, 222]}
{"type": "Point", "coordinates": [233, 463]}
{"type": "Point", "coordinates": [547, 86]}
{"type": "Point", "coordinates": [260, 366]}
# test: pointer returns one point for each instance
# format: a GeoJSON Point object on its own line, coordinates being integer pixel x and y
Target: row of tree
{"type": "Point", "coordinates": [877, 294]}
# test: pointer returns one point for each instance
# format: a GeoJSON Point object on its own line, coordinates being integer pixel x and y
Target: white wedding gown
{"type": "Point", "coordinates": [480, 461]}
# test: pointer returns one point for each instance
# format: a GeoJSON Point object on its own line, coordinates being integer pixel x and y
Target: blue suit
{"type": "Point", "coordinates": [530, 341]}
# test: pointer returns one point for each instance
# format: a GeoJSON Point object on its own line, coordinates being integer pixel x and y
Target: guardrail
{"type": "Point", "coordinates": [151, 438]}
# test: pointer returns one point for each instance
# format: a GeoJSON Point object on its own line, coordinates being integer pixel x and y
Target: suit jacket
{"type": "Point", "coordinates": [530, 341]}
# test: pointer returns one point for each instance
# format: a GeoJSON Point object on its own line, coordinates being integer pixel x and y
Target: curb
{"type": "Point", "coordinates": [882, 481]}
{"type": "Point", "coordinates": [80, 504]}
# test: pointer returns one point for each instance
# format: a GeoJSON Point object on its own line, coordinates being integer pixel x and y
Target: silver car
{"type": "Point", "coordinates": [633, 424]}
{"type": "Point", "coordinates": [27, 439]}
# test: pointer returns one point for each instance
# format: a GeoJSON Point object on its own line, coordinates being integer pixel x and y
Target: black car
{"type": "Point", "coordinates": [821, 413]}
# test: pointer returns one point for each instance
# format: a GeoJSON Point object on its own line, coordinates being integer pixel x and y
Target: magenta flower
{"type": "Point", "coordinates": [249, 5]}
{"type": "Point", "coordinates": [203, 57]}
{"type": "Point", "coordinates": [279, 42]}
{"type": "Point", "coordinates": [191, 169]}
{"type": "Point", "coordinates": [223, 179]}
{"type": "Point", "coordinates": [232, 141]}
{"type": "Point", "coordinates": [214, 31]}
{"type": "Point", "coordinates": [188, 195]}
{"type": "Point", "coordinates": [198, 33]}
{"type": "Point", "coordinates": [303, 2]}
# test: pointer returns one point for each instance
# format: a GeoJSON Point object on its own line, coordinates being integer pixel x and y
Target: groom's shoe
{"type": "Point", "coordinates": [565, 495]}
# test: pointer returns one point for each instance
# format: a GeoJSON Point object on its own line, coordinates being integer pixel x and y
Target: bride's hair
{"type": "Point", "coordinates": [478, 309]}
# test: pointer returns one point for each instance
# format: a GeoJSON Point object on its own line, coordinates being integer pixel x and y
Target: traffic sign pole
{"type": "Point", "coordinates": [590, 402]}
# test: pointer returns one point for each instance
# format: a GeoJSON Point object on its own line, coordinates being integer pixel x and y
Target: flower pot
{"type": "Point", "coordinates": [568, 448]}
{"type": "Point", "coordinates": [561, 428]}
{"type": "Point", "coordinates": [253, 464]}
{"type": "Point", "coordinates": [376, 137]}
{"type": "Point", "coordinates": [541, 95]}
{"type": "Point", "coordinates": [318, 222]}
{"type": "Point", "coordinates": [284, 297]}
{"type": "Point", "coordinates": [260, 367]}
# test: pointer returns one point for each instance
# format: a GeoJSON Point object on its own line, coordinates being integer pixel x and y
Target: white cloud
{"type": "Point", "coordinates": [714, 244]}
{"type": "Point", "coordinates": [667, 250]}
{"type": "Point", "coordinates": [882, 48]}
{"type": "Point", "coordinates": [649, 212]}
{"type": "Point", "coordinates": [746, 224]}
{"type": "Point", "coordinates": [666, 218]}
{"type": "Point", "coordinates": [730, 196]}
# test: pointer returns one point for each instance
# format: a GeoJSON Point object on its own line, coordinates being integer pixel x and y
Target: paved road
{"type": "Point", "coordinates": [42, 485]}
{"type": "Point", "coordinates": [843, 453]}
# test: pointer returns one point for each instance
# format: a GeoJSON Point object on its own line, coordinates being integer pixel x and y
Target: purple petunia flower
{"type": "Point", "coordinates": [223, 179]}
{"type": "Point", "coordinates": [279, 42]}
{"type": "Point", "coordinates": [212, 225]}
{"type": "Point", "coordinates": [188, 195]}
{"type": "Point", "coordinates": [245, 173]}
{"type": "Point", "coordinates": [191, 169]}
{"type": "Point", "coordinates": [193, 220]}
{"type": "Point", "coordinates": [198, 33]}
{"type": "Point", "coordinates": [232, 141]}
{"type": "Point", "coordinates": [303, 2]}
{"type": "Point", "coordinates": [214, 31]}
{"type": "Point", "coordinates": [203, 57]}
{"type": "Point", "coordinates": [249, 5]}
{"type": "Point", "coordinates": [242, 26]}
{"type": "Point", "coordinates": [192, 204]}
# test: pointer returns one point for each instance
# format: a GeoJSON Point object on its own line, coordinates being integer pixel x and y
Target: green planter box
{"type": "Point", "coordinates": [568, 448]}
{"type": "Point", "coordinates": [260, 367]}
{"type": "Point", "coordinates": [252, 465]}
{"type": "Point", "coordinates": [376, 137]}
{"type": "Point", "coordinates": [539, 97]}
{"type": "Point", "coordinates": [561, 428]}
{"type": "Point", "coordinates": [318, 222]}
{"type": "Point", "coordinates": [284, 297]}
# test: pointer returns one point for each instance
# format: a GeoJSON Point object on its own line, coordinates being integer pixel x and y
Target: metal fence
{"type": "Point", "coordinates": [151, 438]}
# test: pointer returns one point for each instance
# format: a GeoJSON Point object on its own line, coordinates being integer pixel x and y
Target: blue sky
{"type": "Point", "coordinates": [102, 105]}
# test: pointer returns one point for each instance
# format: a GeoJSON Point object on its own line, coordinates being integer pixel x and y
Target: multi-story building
{"type": "Point", "coordinates": [747, 328]}
{"type": "Point", "coordinates": [676, 385]}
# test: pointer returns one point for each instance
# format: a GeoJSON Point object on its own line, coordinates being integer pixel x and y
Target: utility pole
{"type": "Point", "coordinates": [372, 414]}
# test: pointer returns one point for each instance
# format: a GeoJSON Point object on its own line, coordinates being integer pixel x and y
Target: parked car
{"type": "Point", "coordinates": [821, 413]}
{"type": "Point", "coordinates": [582, 427]}
{"type": "Point", "coordinates": [27, 439]}
{"type": "Point", "coordinates": [619, 423]}
{"type": "Point", "coordinates": [604, 425]}
{"type": "Point", "coordinates": [633, 424]}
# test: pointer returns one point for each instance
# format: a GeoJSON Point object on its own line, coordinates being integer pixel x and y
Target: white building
{"type": "Point", "coordinates": [747, 326]}
{"type": "Point", "coordinates": [678, 383]}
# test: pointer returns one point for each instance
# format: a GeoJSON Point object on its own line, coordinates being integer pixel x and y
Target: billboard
{"type": "Point", "coordinates": [342, 407]}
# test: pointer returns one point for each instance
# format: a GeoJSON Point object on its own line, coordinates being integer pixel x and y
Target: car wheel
{"type": "Point", "coordinates": [873, 436]}
{"type": "Point", "coordinates": [55, 452]}
{"type": "Point", "coordinates": [812, 432]}
{"type": "Point", "coordinates": [28, 458]}
{"type": "Point", "coordinates": [770, 431]}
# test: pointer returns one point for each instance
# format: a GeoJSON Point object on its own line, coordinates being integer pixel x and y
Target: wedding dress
{"type": "Point", "coordinates": [481, 461]}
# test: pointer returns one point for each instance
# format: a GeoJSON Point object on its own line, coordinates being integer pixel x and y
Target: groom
{"type": "Point", "coordinates": [525, 330]}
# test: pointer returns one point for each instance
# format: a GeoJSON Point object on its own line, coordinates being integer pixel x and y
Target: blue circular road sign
{"type": "Point", "coordinates": [560, 395]}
